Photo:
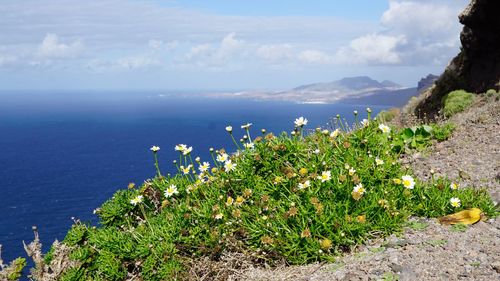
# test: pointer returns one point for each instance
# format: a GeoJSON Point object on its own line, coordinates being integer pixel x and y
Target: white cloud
{"type": "Point", "coordinates": [106, 23]}
{"type": "Point", "coordinates": [372, 49]}
{"type": "Point", "coordinates": [315, 57]}
{"type": "Point", "coordinates": [230, 45]}
{"type": "Point", "coordinates": [170, 39]}
{"type": "Point", "coordinates": [6, 60]}
{"type": "Point", "coordinates": [171, 45]}
{"type": "Point", "coordinates": [424, 19]}
{"type": "Point", "coordinates": [158, 44]}
{"type": "Point", "coordinates": [275, 53]}
{"type": "Point", "coordinates": [414, 33]}
{"type": "Point", "coordinates": [202, 50]}
{"type": "Point", "coordinates": [138, 62]}
{"type": "Point", "coordinates": [155, 44]}
{"type": "Point", "coordinates": [227, 51]}
{"type": "Point", "coordinates": [51, 48]}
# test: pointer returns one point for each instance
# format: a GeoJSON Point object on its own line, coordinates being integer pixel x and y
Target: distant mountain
{"type": "Point", "coordinates": [348, 85]}
{"type": "Point", "coordinates": [390, 84]}
{"type": "Point", "coordinates": [393, 98]}
{"type": "Point", "coordinates": [426, 82]}
{"type": "Point", "coordinates": [359, 90]}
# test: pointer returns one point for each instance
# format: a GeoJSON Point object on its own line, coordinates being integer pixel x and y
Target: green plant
{"type": "Point", "coordinates": [442, 132]}
{"type": "Point", "coordinates": [437, 242]}
{"type": "Point", "coordinates": [475, 263]}
{"type": "Point", "coordinates": [459, 227]}
{"type": "Point", "coordinates": [416, 137]}
{"type": "Point", "coordinates": [419, 137]}
{"type": "Point", "coordinates": [456, 101]}
{"type": "Point", "coordinates": [13, 270]}
{"type": "Point", "coordinates": [389, 276]}
{"type": "Point", "coordinates": [491, 92]}
{"type": "Point", "coordinates": [417, 225]}
{"type": "Point", "coordinates": [300, 198]}
{"type": "Point", "coordinates": [388, 115]}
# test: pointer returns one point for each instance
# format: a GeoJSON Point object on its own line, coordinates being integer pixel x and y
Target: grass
{"type": "Point", "coordinates": [417, 225]}
{"type": "Point", "coordinates": [459, 228]}
{"type": "Point", "coordinates": [388, 115]}
{"type": "Point", "coordinates": [389, 276]}
{"type": "Point", "coordinates": [297, 198]}
{"type": "Point", "coordinates": [437, 242]}
{"type": "Point", "coordinates": [443, 132]}
{"type": "Point", "coordinates": [456, 101]}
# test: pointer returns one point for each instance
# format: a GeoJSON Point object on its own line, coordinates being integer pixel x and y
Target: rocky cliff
{"type": "Point", "coordinates": [426, 82]}
{"type": "Point", "coordinates": [477, 67]}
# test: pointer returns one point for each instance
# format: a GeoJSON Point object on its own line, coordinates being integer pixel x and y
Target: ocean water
{"type": "Point", "coordinates": [62, 154]}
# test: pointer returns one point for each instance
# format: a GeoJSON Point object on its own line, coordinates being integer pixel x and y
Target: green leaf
{"type": "Point", "coordinates": [407, 133]}
{"type": "Point", "coordinates": [427, 128]}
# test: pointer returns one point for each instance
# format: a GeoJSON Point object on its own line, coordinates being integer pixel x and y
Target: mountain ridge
{"type": "Point", "coordinates": [353, 83]}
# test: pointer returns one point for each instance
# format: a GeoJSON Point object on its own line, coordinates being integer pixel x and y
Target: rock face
{"type": "Point", "coordinates": [477, 67]}
{"type": "Point", "coordinates": [426, 82]}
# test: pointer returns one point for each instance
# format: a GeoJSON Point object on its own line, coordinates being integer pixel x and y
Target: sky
{"type": "Point", "coordinates": [221, 44]}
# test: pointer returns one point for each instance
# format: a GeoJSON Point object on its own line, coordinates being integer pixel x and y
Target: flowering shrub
{"type": "Point", "coordinates": [300, 198]}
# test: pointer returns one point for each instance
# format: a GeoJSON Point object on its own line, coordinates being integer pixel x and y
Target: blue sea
{"type": "Point", "coordinates": [62, 154]}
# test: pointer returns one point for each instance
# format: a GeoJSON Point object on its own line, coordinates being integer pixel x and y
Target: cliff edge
{"type": "Point", "coordinates": [477, 67]}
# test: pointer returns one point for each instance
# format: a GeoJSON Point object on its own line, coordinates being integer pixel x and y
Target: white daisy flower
{"type": "Point", "coordinates": [171, 190]}
{"type": "Point", "coordinates": [187, 150]}
{"type": "Point", "coordinates": [455, 202]}
{"type": "Point", "coordinates": [365, 122]}
{"type": "Point", "coordinates": [186, 170]}
{"type": "Point", "coordinates": [325, 176]}
{"type": "Point", "coordinates": [222, 157]}
{"type": "Point", "coordinates": [300, 122]}
{"type": "Point", "coordinates": [249, 145]}
{"type": "Point", "coordinates": [180, 147]}
{"type": "Point", "coordinates": [229, 166]}
{"type": "Point", "coordinates": [137, 200]}
{"type": "Point", "coordinates": [304, 185]}
{"type": "Point", "coordinates": [352, 171]}
{"type": "Point", "coordinates": [246, 126]}
{"type": "Point", "coordinates": [155, 148]}
{"type": "Point", "coordinates": [408, 182]}
{"type": "Point", "coordinates": [335, 133]}
{"type": "Point", "coordinates": [384, 128]}
{"type": "Point", "coordinates": [359, 189]}
{"type": "Point", "coordinates": [204, 167]}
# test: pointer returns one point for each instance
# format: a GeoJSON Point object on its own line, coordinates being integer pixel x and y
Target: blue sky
{"type": "Point", "coordinates": [341, 9]}
{"type": "Point", "coordinates": [221, 44]}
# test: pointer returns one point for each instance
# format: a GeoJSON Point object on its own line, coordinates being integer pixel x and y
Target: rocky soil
{"type": "Point", "coordinates": [427, 250]}
{"type": "Point", "coordinates": [471, 156]}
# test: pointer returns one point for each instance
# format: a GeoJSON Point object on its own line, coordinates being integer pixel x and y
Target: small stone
{"type": "Point", "coordinates": [463, 175]}
{"type": "Point", "coordinates": [496, 266]}
{"type": "Point", "coordinates": [477, 162]}
{"type": "Point", "coordinates": [351, 276]}
{"type": "Point", "coordinates": [396, 267]}
{"type": "Point", "coordinates": [397, 243]}
{"type": "Point", "coordinates": [408, 274]}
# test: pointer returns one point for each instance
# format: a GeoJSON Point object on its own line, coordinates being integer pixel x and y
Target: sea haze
{"type": "Point", "coordinates": [62, 154]}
